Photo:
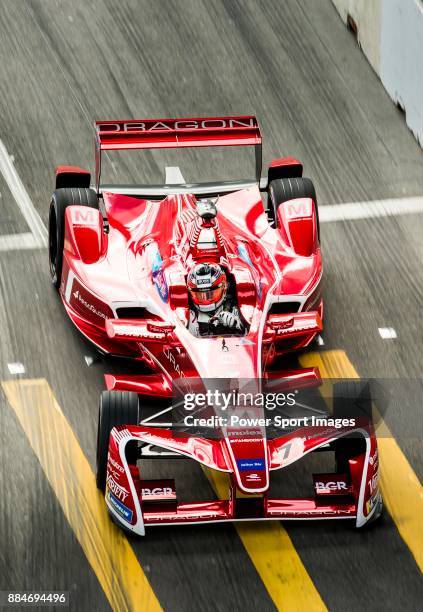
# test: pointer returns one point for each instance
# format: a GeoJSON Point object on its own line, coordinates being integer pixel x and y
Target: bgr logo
{"type": "Point", "coordinates": [162, 491]}
{"type": "Point", "coordinates": [331, 486]}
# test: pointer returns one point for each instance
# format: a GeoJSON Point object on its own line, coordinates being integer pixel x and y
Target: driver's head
{"type": "Point", "coordinates": [207, 286]}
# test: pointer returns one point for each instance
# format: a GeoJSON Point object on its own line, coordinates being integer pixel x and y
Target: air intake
{"type": "Point", "coordinates": [284, 307]}
{"type": "Point", "coordinates": [134, 312]}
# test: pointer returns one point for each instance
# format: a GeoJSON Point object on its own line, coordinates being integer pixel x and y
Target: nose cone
{"type": "Point", "coordinates": [225, 357]}
{"type": "Point", "coordinates": [249, 460]}
{"type": "Point", "coordinates": [245, 438]}
{"type": "Point", "coordinates": [238, 360]}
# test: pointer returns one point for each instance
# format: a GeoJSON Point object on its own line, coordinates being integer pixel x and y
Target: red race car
{"type": "Point", "coordinates": [197, 281]}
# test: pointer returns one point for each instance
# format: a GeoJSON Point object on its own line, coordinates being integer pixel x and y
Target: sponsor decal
{"type": "Point", "coordinates": [158, 493]}
{"type": "Point", "coordinates": [224, 345]}
{"type": "Point", "coordinates": [159, 278]}
{"type": "Point", "coordinates": [120, 492]}
{"type": "Point", "coordinates": [331, 484]}
{"type": "Point", "coordinates": [170, 517]}
{"type": "Point", "coordinates": [113, 472]}
{"type": "Point", "coordinates": [172, 126]}
{"type": "Point", "coordinates": [243, 439]}
{"type": "Point", "coordinates": [285, 324]}
{"type": "Point", "coordinates": [327, 488]}
{"type": "Point", "coordinates": [374, 483]}
{"type": "Point", "coordinates": [133, 331]}
{"type": "Point", "coordinates": [285, 328]}
{"type": "Point", "coordinates": [299, 209]}
{"type": "Point", "coordinates": [125, 512]}
{"type": "Point", "coordinates": [116, 464]}
{"type": "Point", "coordinates": [84, 216]}
{"type": "Point", "coordinates": [246, 465]}
{"type": "Point", "coordinates": [253, 477]}
{"type": "Point", "coordinates": [162, 491]}
{"type": "Point", "coordinates": [81, 299]}
{"type": "Point", "coordinates": [317, 512]}
{"type": "Point", "coordinates": [77, 295]}
{"type": "Point", "coordinates": [171, 357]}
{"type": "Point", "coordinates": [374, 458]}
{"type": "Point", "coordinates": [158, 490]}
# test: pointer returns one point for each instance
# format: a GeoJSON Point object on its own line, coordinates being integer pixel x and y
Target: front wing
{"type": "Point", "coordinates": [135, 503]}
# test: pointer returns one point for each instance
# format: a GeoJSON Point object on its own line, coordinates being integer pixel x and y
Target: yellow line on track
{"type": "Point", "coordinates": [401, 489]}
{"type": "Point", "coordinates": [72, 480]}
{"type": "Point", "coordinates": [275, 558]}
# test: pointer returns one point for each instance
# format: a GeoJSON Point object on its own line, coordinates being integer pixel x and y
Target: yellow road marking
{"type": "Point", "coordinates": [275, 558]}
{"type": "Point", "coordinates": [72, 480]}
{"type": "Point", "coordinates": [401, 489]}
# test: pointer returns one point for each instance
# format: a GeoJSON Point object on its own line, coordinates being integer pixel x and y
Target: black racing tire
{"type": "Point", "coordinates": [60, 200]}
{"type": "Point", "coordinates": [116, 408]}
{"type": "Point", "coordinates": [282, 190]}
{"type": "Point", "coordinates": [351, 399]}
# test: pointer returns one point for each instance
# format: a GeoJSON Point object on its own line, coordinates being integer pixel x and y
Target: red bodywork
{"type": "Point", "coordinates": [336, 496]}
{"type": "Point", "coordinates": [137, 273]}
{"type": "Point", "coordinates": [126, 292]}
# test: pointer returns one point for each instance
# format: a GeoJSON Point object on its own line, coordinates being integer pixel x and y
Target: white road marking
{"type": "Point", "coordinates": [387, 333]}
{"type": "Point", "coordinates": [38, 237]}
{"type": "Point", "coordinates": [174, 176]}
{"type": "Point", "coordinates": [17, 189]}
{"type": "Point", "coordinates": [320, 341]}
{"type": "Point", "coordinates": [371, 209]}
{"type": "Point", "coordinates": [16, 368]}
{"type": "Point", "coordinates": [17, 242]}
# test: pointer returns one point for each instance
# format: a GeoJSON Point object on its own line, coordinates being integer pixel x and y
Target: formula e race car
{"type": "Point", "coordinates": [120, 257]}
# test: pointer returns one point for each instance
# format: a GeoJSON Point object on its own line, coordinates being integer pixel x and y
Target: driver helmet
{"type": "Point", "coordinates": [207, 286]}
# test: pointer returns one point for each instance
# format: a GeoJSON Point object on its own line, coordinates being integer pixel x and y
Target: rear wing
{"type": "Point", "coordinates": [177, 133]}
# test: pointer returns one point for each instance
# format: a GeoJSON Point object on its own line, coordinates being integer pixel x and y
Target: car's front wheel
{"type": "Point", "coordinates": [116, 408]}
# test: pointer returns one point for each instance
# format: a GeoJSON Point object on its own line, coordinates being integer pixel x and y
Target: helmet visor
{"type": "Point", "coordinates": [206, 297]}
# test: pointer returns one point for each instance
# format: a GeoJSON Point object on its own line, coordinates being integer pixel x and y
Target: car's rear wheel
{"type": "Point", "coordinates": [282, 190]}
{"type": "Point", "coordinates": [60, 200]}
{"type": "Point", "coordinates": [116, 408]}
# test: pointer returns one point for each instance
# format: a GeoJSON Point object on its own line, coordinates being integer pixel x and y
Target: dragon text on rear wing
{"type": "Point", "coordinates": [177, 133]}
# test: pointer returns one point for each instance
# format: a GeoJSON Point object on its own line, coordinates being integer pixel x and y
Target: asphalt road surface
{"type": "Point", "coordinates": [294, 64]}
